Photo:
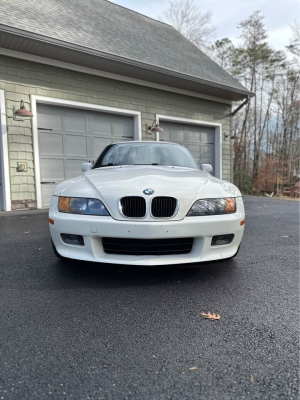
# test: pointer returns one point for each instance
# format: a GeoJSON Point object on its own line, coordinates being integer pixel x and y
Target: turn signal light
{"type": "Point", "coordinates": [230, 205]}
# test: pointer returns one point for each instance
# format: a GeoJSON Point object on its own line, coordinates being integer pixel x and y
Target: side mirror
{"type": "Point", "coordinates": [206, 167]}
{"type": "Point", "coordinates": [86, 166]}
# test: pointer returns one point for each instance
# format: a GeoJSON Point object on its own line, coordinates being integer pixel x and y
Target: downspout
{"type": "Point", "coordinates": [240, 106]}
{"type": "Point", "coordinates": [231, 148]}
{"type": "Point", "coordinates": [231, 127]}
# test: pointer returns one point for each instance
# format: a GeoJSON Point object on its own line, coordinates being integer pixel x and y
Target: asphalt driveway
{"type": "Point", "coordinates": [88, 332]}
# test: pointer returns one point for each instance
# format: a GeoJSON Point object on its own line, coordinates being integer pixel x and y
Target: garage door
{"type": "Point", "coordinates": [69, 137]}
{"type": "Point", "coordinates": [200, 140]}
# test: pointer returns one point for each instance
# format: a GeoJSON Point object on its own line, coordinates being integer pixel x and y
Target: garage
{"type": "Point", "coordinates": [67, 137]}
{"type": "Point", "coordinates": [199, 139]}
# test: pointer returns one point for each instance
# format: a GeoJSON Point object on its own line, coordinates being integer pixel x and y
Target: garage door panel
{"type": "Point", "coordinates": [177, 133]}
{"type": "Point", "coordinates": [47, 191]}
{"type": "Point", "coordinates": [74, 122]}
{"type": "Point", "coordinates": [49, 118]}
{"type": "Point", "coordinates": [50, 143]}
{"type": "Point", "coordinates": [208, 155]}
{"type": "Point", "coordinates": [73, 168]}
{"type": "Point", "coordinates": [195, 151]}
{"type": "Point", "coordinates": [98, 145]}
{"type": "Point", "coordinates": [208, 137]}
{"type": "Point", "coordinates": [200, 137]}
{"type": "Point", "coordinates": [122, 127]}
{"type": "Point", "coordinates": [101, 124]}
{"type": "Point", "coordinates": [52, 169]}
{"type": "Point", "coordinates": [165, 135]}
{"type": "Point", "coordinates": [193, 137]}
{"type": "Point", "coordinates": [76, 145]}
{"type": "Point", "coordinates": [207, 151]}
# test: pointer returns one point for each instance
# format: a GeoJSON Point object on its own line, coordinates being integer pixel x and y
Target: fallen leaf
{"type": "Point", "coordinates": [193, 368]}
{"type": "Point", "coordinates": [252, 379]}
{"type": "Point", "coordinates": [285, 236]}
{"type": "Point", "coordinates": [39, 249]}
{"type": "Point", "coordinates": [24, 217]}
{"type": "Point", "coordinates": [27, 232]}
{"type": "Point", "coordinates": [211, 316]}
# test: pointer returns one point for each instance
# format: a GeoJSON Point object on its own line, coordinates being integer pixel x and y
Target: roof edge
{"type": "Point", "coordinates": [7, 29]}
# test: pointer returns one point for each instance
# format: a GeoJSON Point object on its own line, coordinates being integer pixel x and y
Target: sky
{"type": "Point", "coordinates": [279, 15]}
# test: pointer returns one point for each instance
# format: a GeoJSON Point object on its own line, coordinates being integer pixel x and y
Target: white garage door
{"type": "Point", "coordinates": [200, 140]}
{"type": "Point", "coordinates": [69, 137]}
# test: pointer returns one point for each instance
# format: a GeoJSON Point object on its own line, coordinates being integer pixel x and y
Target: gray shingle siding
{"type": "Point", "coordinates": [20, 79]}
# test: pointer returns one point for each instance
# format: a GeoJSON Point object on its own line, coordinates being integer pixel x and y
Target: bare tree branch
{"type": "Point", "coordinates": [294, 46]}
{"type": "Point", "coordinates": [184, 15]}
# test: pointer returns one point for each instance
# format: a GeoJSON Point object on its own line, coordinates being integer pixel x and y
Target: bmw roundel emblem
{"type": "Point", "coordinates": [148, 191]}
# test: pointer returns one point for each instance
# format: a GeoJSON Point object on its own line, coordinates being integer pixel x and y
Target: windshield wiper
{"type": "Point", "coordinates": [108, 165]}
{"type": "Point", "coordinates": [150, 164]}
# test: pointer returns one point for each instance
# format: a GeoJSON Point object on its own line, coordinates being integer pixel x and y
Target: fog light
{"type": "Point", "coordinates": [222, 239]}
{"type": "Point", "coordinates": [76, 240]}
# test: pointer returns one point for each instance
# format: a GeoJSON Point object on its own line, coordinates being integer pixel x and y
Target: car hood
{"type": "Point", "coordinates": [109, 184]}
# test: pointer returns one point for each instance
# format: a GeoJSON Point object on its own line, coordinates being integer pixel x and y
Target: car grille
{"type": "Point", "coordinates": [163, 207]}
{"type": "Point", "coordinates": [143, 247]}
{"type": "Point", "coordinates": [133, 206]}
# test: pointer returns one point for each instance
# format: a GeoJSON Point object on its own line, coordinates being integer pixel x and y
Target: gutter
{"type": "Point", "coordinates": [71, 46]}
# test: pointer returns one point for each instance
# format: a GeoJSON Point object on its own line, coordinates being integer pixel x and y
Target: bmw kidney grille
{"type": "Point", "coordinates": [136, 207]}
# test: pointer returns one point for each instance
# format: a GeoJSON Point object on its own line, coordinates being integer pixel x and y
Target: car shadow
{"type": "Point", "coordinates": [83, 274]}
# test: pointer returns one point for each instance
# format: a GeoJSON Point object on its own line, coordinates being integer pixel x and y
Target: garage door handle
{"type": "Point", "coordinates": [45, 183]}
{"type": "Point", "coordinates": [128, 137]}
{"type": "Point", "coordinates": [44, 129]}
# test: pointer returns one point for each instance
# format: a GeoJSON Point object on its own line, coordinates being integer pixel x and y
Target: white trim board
{"type": "Point", "coordinates": [109, 75]}
{"type": "Point", "coordinates": [218, 136]}
{"type": "Point", "coordinates": [5, 201]}
{"type": "Point", "coordinates": [73, 104]}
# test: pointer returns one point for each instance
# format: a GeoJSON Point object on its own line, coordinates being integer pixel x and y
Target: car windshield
{"type": "Point", "coordinates": [146, 154]}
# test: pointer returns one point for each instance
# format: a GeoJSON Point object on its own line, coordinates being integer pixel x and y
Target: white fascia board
{"type": "Point", "coordinates": [4, 159]}
{"type": "Point", "coordinates": [109, 75]}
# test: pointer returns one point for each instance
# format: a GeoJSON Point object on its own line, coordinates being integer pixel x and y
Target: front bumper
{"type": "Point", "coordinates": [93, 228]}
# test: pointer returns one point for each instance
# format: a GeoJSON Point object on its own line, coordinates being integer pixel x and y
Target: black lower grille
{"type": "Point", "coordinates": [133, 206]}
{"type": "Point", "coordinates": [142, 247]}
{"type": "Point", "coordinates": [163, 207]}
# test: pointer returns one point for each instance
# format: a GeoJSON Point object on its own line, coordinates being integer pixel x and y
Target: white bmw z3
{"type": "Point", "coordinates": [146, 203]}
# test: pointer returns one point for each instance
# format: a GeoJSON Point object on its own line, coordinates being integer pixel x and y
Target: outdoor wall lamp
{"type": "Point", "coordinates": [233, 137]}
{"type": "Point", "coordinates": [22, 111]}
{"type": "Point", "coordinates": [155, 127]}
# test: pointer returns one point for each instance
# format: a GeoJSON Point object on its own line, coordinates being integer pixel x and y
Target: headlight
{"type": "Point", "coordinates": [213, 207]}
{"type": "Point", "coordinates": [79, 205]}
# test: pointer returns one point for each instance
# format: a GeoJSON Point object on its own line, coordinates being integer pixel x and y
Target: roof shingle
{"type": "Point", "coordinates": [109, 28]}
